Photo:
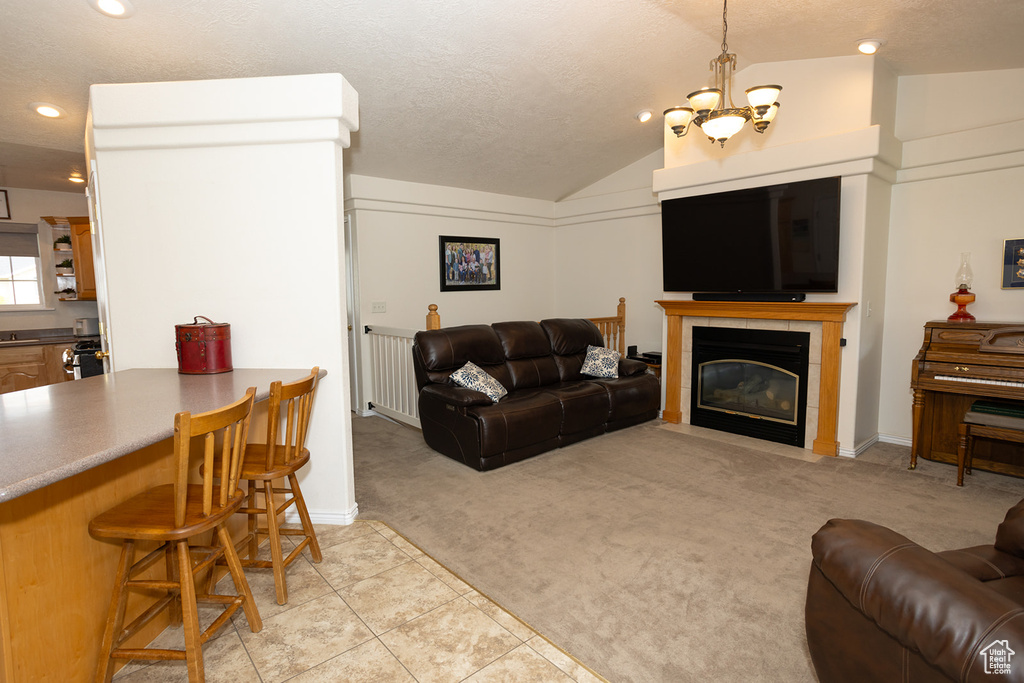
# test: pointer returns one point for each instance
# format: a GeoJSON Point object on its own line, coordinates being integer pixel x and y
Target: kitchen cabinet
{"type": "Point", "coordinates": [83, 279]}
{"type": "Point", "coordinates": [26, 367]}
{"type": "Point", "coordinates": [81, 247]}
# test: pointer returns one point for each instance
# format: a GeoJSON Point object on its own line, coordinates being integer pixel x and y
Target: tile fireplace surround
{"type": "Point", "coordinates": [823, 320]}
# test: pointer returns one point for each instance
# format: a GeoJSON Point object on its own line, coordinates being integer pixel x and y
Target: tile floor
{"type": "Point", "coordinates": [376, 609]}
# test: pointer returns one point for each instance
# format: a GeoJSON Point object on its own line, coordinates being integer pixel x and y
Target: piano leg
{"type": "Point", "coordinates": [918, 414]}
{"type": "Point", "coordinates": [961, 454]}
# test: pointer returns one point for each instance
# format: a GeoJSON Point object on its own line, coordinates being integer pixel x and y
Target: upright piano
{"type": "Point", "coordinates": [959, 363]}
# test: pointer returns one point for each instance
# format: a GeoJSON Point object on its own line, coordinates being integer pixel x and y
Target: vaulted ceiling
{"type": "Point", "coordinates": [532, 98]}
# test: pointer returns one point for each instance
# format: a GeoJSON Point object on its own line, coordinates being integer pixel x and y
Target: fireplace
{"type": "Point", "coordinates": [751, 382]}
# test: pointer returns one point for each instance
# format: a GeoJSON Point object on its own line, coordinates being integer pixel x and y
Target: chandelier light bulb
{"type": "Point", "coordinates": [762, 96]}
{"type": "Point", "coordinates": [723, 126]}
{"type": "Point", "coordinates": [704, 100]}
{"type": "Point", "coordinates": [678, 119]}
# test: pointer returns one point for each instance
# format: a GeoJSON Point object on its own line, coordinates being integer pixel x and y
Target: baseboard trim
{"type": "Point", "coordinates": [898, 440]}
{"type": "Point", "coordinates": [860, 448]}
{"type": "Point", "coordinates": [332, 517]}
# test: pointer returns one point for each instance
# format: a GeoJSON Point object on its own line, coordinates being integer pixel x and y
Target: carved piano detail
{"type": "Point", "coordinates": [958, 364]}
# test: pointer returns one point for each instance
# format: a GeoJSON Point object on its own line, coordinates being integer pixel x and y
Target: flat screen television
{"type": "Point", "coordinates": [776, 240]}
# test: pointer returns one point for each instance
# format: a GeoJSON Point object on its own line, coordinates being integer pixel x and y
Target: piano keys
{"type": "Point", "coordinates": [959, 363]}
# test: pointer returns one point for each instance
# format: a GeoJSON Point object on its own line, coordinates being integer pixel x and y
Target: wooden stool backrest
{"type": "Point", "coordinates": [230, 427]}
{"type": "Point", "coordinates": [296, 400]}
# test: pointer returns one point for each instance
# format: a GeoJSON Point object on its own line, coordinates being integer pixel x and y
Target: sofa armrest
{"type": "Point", "coordinates": [629, 367]}
{"type": "Point", "coordinates": [918, 598]}
{"type": "Point", "coordinates": [984, 562]}
{"type": "Point", "coordinates": [455, 395]}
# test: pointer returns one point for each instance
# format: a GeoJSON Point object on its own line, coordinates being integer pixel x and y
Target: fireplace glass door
{"type": "Point", "coordinates": [751, 382]}
{"type": "Point", "coordinates": [749, 388]}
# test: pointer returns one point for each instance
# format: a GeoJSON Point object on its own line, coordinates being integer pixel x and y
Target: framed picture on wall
{"type": "Point", "coordinates": [1013, 264]}
{"type": "Point", "coordinates": [469, 264]}
{"type": "Point", "coordinates": [5, 206]}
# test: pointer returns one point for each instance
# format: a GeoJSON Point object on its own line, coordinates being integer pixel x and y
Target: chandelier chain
{"type": "Point", "coordinates": [725, 25]}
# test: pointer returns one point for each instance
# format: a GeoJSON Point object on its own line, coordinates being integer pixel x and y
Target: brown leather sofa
{"type": "Point", "coordinates": [549, 402]}
{"type": "Point", "coordinates": [882, 608]}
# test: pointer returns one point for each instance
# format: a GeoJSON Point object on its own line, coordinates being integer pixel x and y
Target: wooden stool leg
{"type": "Point", "coordinates": [961, 453]}
{"type": "Point", "coordinates": [115, 615]}
{"type": "Point", "coordinates": [238, 576]}
{"type": "Point", "coordinates": [307, 523]}
{"type": "Point", "coordinates": [254, 538]}
{"type": "Point", "coordinates": [277, 557]}
{"type": "Point", "coordinates": [171, 560]}
{"type": "Point", "coordinates": [190, 615]}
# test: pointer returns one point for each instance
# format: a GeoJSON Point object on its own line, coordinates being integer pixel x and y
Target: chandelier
{"type": "Point", "coordinates": [707, 106]}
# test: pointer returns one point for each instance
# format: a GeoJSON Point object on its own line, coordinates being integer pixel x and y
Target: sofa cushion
{"type": "Point", "coordinates": [523, 418]}
{"type": "Point", "coordinates": [585, 405]}
{"type": "Point", "coordinates": [629, 397]}
{"type": "Point", "coordinates": [569, 338]}
{"type": "Point", "coordinates": [571, 335]}
{"type": "Point", "coordinates": [472, 377]}
{"type": "Point", "coordinates": [600, 362]}
{"type": "Point", "coordinates": [528, 354]}
{"type": "Point", "coordinates": [439, 353]}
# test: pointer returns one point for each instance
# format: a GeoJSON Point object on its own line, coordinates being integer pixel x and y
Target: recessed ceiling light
{"type": "Point", "coordinates": [118, 9]}
{"type": "Point", "coordinates": [50, 111]}
{"type": "Point", "coordinates": [644, 116]}
{"type": "Point", "coordinates": [76, 177]}
{"type": "Point", "coordinates": [869, 46]}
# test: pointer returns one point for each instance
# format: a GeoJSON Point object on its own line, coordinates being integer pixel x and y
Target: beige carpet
{"type": "Point", "coordinates": [655, 555]}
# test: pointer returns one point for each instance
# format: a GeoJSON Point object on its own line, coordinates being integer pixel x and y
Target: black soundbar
{"type": "Point", "coordinates": [773, 297]}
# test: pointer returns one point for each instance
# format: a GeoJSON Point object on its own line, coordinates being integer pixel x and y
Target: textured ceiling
{"type": "Point", "coordinates": [531, 98]}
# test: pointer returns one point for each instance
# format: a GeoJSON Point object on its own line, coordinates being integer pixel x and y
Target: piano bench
{"type": "Point", "coordinates": [991, 420]}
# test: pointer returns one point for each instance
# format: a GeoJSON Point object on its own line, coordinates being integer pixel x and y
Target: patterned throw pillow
{"type": "Point", "coordinates": [601, 362]}
{"type": "Point", "coordinates": [472, 376]}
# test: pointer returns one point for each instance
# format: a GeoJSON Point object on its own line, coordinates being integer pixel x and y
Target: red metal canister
{"type": "Point", "coordinates": [203, 348]}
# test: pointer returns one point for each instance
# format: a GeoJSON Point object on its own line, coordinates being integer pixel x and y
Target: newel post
{"type": "Point", "coordinates": [433, 318]}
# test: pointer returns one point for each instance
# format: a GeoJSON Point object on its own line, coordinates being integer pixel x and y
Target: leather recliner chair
{"type": "Point", "coordinates": [882, 608]}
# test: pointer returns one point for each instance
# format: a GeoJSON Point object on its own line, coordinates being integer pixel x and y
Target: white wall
{"type": "Point", "coordinates": [959, 190]}
{"type": "Point", "coordinates": [28, 206]}
{"type": "Point", "coordinates": [608, 245]}
{"type": "Point", "coordinates": [397, 225]}
{"type": "Point", "coordinates": [233, 211]}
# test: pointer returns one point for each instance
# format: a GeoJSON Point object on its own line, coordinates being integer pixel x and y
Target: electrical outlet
{"type": "Point", "coordinates": [378, 307]}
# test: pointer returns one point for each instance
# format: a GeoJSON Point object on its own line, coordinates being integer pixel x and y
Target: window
{"type": "Point", "coordinates": [20, 276]}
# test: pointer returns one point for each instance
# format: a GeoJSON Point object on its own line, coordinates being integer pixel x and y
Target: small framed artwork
{"type": "Point", "coordinates": [5, 206]}
{"type": "Point", "coordinates": [1013, 264]}
{"type": "Point", "coordinates": [469, 264]}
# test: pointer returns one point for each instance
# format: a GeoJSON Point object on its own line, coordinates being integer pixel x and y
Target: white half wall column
{"type": "Point", "coordinates": [223, 198]}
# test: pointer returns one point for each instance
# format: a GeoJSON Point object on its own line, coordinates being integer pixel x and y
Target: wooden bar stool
{"type": "Point", "coordinates": [279, 458]}
{"type": "Point", "coordinates": [987, 419]}
{"type": "Point", "coordinates": [173, 514]}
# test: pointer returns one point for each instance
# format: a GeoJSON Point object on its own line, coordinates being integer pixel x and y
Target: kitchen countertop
{"type": "Point", "coordinates": [53, 432]}
{"type": "Point", "coordinates": [39, 337]}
